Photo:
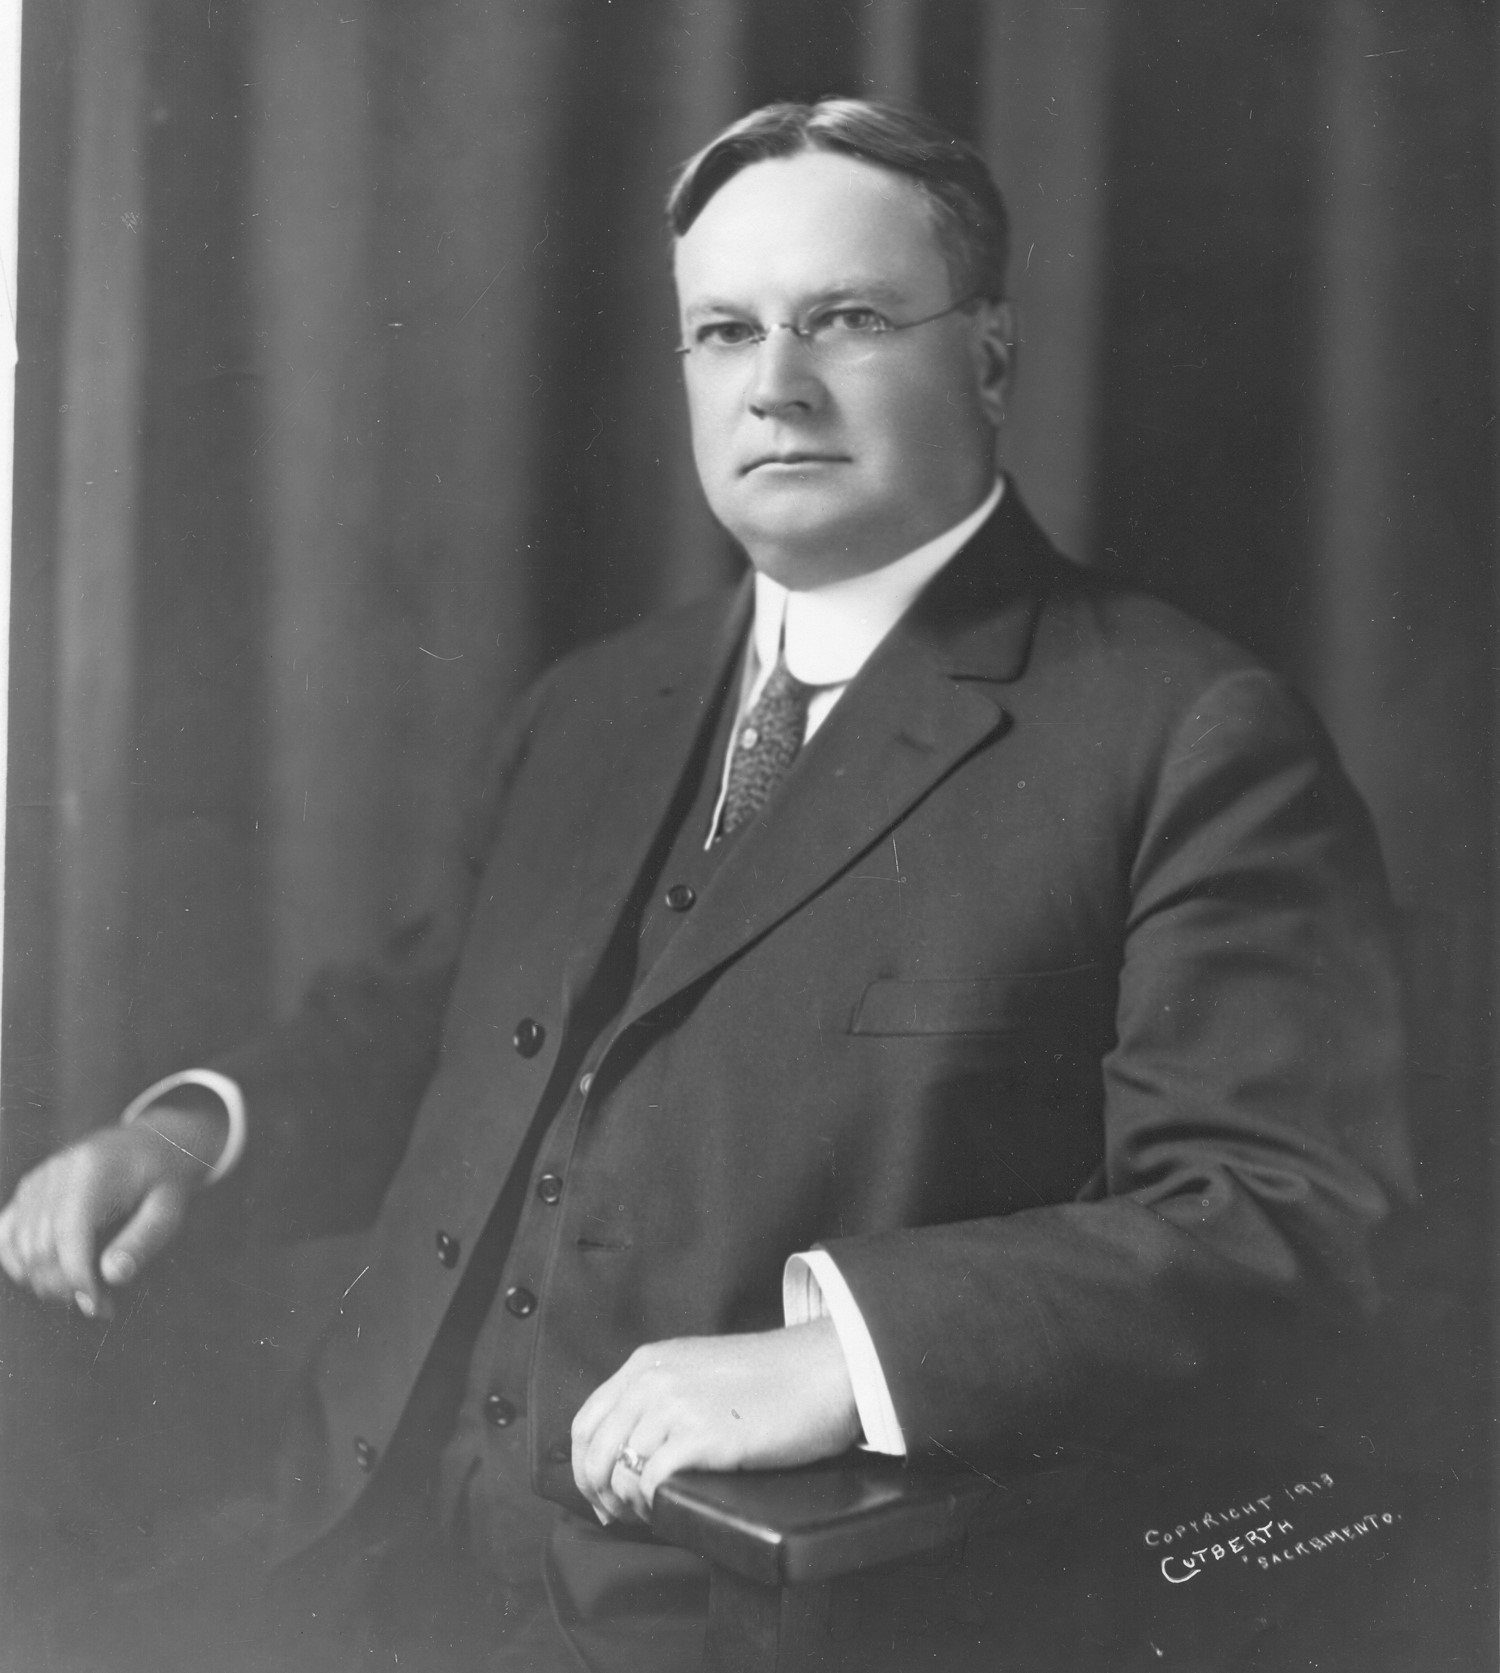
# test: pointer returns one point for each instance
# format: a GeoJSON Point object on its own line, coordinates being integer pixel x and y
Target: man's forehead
{"type": "Point", "coordinates": [852, 286]}
{"type": "Point", "coordinates": [819, 219]}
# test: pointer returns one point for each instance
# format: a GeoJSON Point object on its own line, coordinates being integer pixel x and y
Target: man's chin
{"type": "Point", "coordinates": [814, 560]}
{"type": "Point", "coordinates": [802, 535]}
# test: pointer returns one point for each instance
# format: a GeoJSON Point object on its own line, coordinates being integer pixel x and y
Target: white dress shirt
{"type": "Point", "coordinates": [829, 633]}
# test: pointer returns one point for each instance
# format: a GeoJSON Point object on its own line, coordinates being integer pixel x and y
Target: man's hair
{"type": "Point", "coordinates": [969, 216]}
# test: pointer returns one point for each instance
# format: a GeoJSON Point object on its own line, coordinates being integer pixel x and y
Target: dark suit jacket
{"type": "Point", "coordinates": [1052, 994]}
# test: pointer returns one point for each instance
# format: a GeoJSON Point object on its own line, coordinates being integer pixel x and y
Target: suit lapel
{"type": "Point", "coordinates": [657, 728]}
{"type": "Point", "coordinates": [928, 698]}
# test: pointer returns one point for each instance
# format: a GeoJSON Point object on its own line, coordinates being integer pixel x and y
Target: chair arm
{"type": "Point", "coordinates": [802, 1526]}
{"type": "Point", "coordinates": [780, 1541]}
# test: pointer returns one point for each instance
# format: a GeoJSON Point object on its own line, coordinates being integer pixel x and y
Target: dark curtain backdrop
{"type": "Point", "coordinates": [347, 402]}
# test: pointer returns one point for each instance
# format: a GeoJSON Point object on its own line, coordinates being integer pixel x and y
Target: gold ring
{"type": "Point", "coordinates": [630, 1459]}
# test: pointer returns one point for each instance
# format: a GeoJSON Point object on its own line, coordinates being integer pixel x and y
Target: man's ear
{"type": "Point", "coordinates": [995, 352]}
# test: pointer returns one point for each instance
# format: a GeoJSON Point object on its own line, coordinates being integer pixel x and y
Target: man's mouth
{"type": "Point", "coordinates": [794, 456]}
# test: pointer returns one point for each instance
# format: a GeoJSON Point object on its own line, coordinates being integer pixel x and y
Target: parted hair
{"type": "Point", "coordinates": [969, 214]}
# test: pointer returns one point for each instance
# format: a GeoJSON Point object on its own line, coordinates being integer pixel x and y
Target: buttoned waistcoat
{"type": "Point", "coordinates": [1052, 994]}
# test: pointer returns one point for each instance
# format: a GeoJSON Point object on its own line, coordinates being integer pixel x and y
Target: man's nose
{"type": "Point", "coordinates": [785, 374]}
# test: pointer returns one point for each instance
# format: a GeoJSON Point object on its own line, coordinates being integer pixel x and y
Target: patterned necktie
{"type": "Point", "coordinates": [765, 745]}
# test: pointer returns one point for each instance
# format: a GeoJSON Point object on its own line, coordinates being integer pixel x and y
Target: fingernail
{"type": "Point", "coordinates": [603, 1517]}
{"type": "Point", "coordinates": [85, 1303]}
{"type": "Point", "coordinates": [118, 1266]}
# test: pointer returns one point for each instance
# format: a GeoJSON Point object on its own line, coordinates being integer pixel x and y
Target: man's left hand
{"type": "Point", "coordinates": [755, 1402]}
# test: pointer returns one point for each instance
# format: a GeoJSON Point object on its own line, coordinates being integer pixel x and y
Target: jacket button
{"type": "Point", "coordinates": [680, 897]}
{"type": "Point", "coordinates": [520, 1301]}
{"type": "Point", "coordinates": [549, 1188]}
{"type": "Point", "coordinates": [364, 1453]}
{"type": "Point", "coordinates": [585, 1081]}
{"type": "Point", "coordinates": [447, 1248]}
{"type": "Point", "coordinates": [529, 1036]}
{"type": "Point", "coordinates": [498, 1411]}
{"type": "Point", "coordinates": [560, 1452]}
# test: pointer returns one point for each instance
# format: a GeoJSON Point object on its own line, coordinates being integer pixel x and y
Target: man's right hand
{"type": "Point", "coordinates": [131, 1183]}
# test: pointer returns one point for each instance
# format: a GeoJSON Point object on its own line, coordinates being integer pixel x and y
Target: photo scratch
{"type": "Point", "coordinates": [958, 1458]}
{"type": "Point", "coordinates": [1201, 736]}
{"type": "Point", "coordinates": [484, 293]}
{"type": "Point", "coordinates": [174, 1144]}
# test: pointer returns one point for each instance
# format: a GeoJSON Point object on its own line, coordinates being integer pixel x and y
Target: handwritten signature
{"type": "Point", "coordinates": [1248, 1538]}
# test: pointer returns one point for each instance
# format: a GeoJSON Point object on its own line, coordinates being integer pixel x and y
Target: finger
{"type": "Point", "coordinates": [34, 1237]}
{"type": "Point", "coordinates": [73, 1252]}
{"type": "Point", "coordinates": [74, 1238]}
{"type": "Point", "coordinates": [625, 1484]}
{"type": "Point", "coordinates": [49, 1281]}
{"type": "Point", "coordinates": [10, 1259]}
{"type": "Point", "coordinates": [47, 1240]}
{"type": "Point", "coordinates": [585, 1422]}
{"type": "Point", "coordinates": [677, 1452]}
{"type": "Point", "coordinates": [594, 1412]}
{"type": "Point", "coordinates": [26, 1231]}
{"type": "Point", "coordinates": [631, 1484]}
{"type": "Point", "coordinates": [602, 1458]}
{"type": "Point", "coordinates": [646, 1439]}
{"type": "Point", "coordinates": [599, 1474]}
{"type": "Point", "coordinates": [144, 1235]}
{"type": "Point", "coordinates": [34, 1242]}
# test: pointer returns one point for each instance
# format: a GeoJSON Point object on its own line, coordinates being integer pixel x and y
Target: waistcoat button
{"type": "Point", "coordinates": [520, 1301]}
{"type": "Point", "coordinates": [364, 1453]}
{"type": "Point", "coordinates": [549, 1188]}
{"type": "Point", "coordinates": [680, 897]}
{"type": "Point", "coordinates": [529, 1037]}
{"type": "Point", "coordinates": [498, 1411]}
{"type": "Point", "coordinates": [447, 1248]}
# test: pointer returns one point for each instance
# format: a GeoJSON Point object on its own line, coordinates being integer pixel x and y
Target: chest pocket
{"type": "Point", "coordinates": [1079, 998]}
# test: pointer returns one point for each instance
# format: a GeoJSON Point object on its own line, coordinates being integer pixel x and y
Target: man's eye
{"type": "Point", "coordinates": [725, 334]}
{"type": "Point", "coordinates": [854, 322]}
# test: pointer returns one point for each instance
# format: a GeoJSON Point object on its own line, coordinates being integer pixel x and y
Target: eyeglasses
{"type": "Point", "coordinates": [836, 334]}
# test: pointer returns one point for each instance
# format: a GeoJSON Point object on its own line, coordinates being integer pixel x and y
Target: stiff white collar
{"type": "Point", "coordinates": [831, 631]}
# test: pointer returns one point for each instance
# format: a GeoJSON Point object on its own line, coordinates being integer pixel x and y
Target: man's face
{"type": "Point", "coordinates": [826, 466]}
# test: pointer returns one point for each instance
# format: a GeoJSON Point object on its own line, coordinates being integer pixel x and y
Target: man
{"type": "Point", "coordinates": [932, 997]}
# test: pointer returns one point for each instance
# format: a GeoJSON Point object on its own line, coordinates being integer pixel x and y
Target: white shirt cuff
{"type": "Point", "coordinates": [226, 1090]}
{"type": "Point", "coordinates": [812, 1287]}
